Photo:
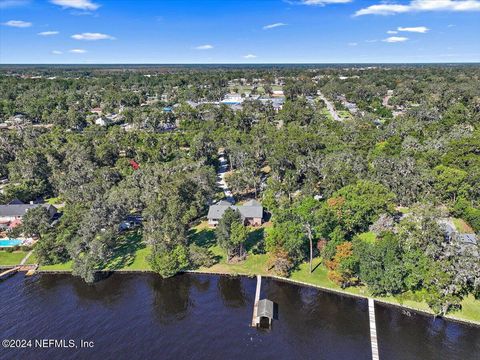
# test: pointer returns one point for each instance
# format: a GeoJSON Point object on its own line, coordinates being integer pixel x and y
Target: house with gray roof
{"type": "Point", "coordinates": [251, 212]}
{"type": "Point", "coordinates": [15, 212]}
{"type": "Point", "coordinates": [466, 241]}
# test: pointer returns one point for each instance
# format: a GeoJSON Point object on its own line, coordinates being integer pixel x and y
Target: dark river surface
{"type": "Point", "coordinates": [134, 316]}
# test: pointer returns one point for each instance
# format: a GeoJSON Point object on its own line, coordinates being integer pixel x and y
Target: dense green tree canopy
{"type": "Point", "coordinates": [402, 160]}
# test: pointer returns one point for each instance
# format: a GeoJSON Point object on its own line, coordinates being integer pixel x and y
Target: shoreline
{"type": "Point", "coordinates": [291, 281]}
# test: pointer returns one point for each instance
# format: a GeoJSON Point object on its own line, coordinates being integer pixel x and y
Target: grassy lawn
{"type": "Point", "coordinates": [67, 266]}
{"type": "Point", "coordinates": [54, 201]}
{"type": "Point", "coordinates": [317, 277]}
{"type": "Point", "coordinates": [470, 309]}
{"type": "Point", "coordinates": [255, 263]}
{"type": "Point", "coordinates": [247, 89]}
{"type": "Point", "coordinates": [130, 254]}
{"type": "Point", "coordinates": [403, 209]}
{"type": "Point", "coordinates": [13, 258]}
{"type": "Point", "coordinates": [32, 259]}
{"type": "Point", "coordinates": [324, 111]}
{"type": "Point", "coordinates": [368, 237]}
{"type": "Point", "coordinates": [140, 260]}
{"type": "Point", "coordinates": [130, 251]}
{"type": "Point", "coordinates": [462, 226]}
{"type": "Point", "coordinates": [344, 114]}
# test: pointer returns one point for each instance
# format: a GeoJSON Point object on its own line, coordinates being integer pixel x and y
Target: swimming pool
{"type": "Point", "coordinates": [10, 242]}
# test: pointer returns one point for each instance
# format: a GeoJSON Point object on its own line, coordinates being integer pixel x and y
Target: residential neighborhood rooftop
{"type": "Point", "coordinates": [251, 209]}
{"type": "Point", "coordinates": [18, 210]}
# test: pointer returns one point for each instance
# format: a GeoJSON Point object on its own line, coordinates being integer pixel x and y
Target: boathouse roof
{"type": "Point", "coordinates": [265, 308]}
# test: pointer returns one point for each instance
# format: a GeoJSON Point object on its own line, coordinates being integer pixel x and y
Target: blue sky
{"type": "Point", "coordinates": [239, 31]}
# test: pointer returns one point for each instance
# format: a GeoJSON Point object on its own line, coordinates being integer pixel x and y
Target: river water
{"type": "Point", "coordinates": [133, 316]}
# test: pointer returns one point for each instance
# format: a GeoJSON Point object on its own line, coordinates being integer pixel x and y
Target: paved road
{"type": "Point", "coordinates": [330, 107]}
{"type": "Point", "coordinates": [222, 170]}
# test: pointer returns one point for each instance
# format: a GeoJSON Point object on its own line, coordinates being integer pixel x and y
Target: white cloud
{"type": "Point", "coordinates": [420, 5]}
{"type": "Point", "coordinates": [383, 9]}
{"type": "Point", "coordinates": [272, 26]}
{"type": "Point", "coordinates": [12, 3]}
{"type": "Point", "coordinates": [446, 5]}
{"type": "Point", "coordinates": [250, 56]}
{"type": "Point", "coordinates": [17, 23]}
{"type": "Point", "coordinates": [57, 52]}
{"type": "Point", "coordinates": [392, 32]}
{"type": "Point", "coordinates": [319, 2]}
{"type": "Point", "coordinates": [76, 4]}
{"type": "Point", "coordinates": [78, 51]}
{"type": "Point", "coordinates": [48, 33]}
{"type": "Point", "coordinates": [204, 47]}
{"type": "Point", "coordinates": [418, 29]}
{"type": "Point", "coordinates": [352, 44]}
{"type": "Point", "coordinates": [92, 36]}
{"type": "Point", "coordinates": [395, 39]}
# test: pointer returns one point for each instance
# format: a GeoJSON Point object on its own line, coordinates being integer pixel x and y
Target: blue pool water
{"type": "Point", "coordinates": [10, 242]}
{"type": "Point", "coordinates": [231, 102]}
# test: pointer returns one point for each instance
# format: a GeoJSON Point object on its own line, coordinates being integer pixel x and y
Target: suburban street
{"type": "Point", "coordinates": [330, 107]}
{"type": "Point", "coordinates": [221, 177]}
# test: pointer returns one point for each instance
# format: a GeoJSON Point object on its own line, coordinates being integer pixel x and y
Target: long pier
{"type": "Point", "coordinates": [373, 329]}
{"type": "Point", "coordinates": [257, 299]}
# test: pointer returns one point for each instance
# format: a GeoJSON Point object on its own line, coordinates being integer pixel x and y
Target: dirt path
{"type": "Point", "coordinates": [24, 260]}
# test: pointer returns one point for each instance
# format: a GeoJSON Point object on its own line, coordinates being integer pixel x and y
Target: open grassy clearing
{"type": "Point", "coordinates": [11, 258]}
{"type": "Point", "coordinates": [462, 226]}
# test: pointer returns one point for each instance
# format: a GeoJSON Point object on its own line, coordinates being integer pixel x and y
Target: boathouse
{"type": "Point", "coordinates": [264, 313]}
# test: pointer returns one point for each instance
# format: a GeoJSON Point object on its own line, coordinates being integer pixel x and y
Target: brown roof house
{"type": "Point", "coordinates": [251, 212]}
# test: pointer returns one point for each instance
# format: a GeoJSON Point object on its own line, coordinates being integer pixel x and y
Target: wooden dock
{"type": "Point", "coordinates": [29, 269]}
{"type": "Point", "coordinates": [10, 271]}
{"type": "Point", "coordinates": [373, 329]}
{"type": "Point", "coordinates": [257, 299]}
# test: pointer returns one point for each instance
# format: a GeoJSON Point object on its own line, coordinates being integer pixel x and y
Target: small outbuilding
{"type": "Point", "coordinates": [265, 313]}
